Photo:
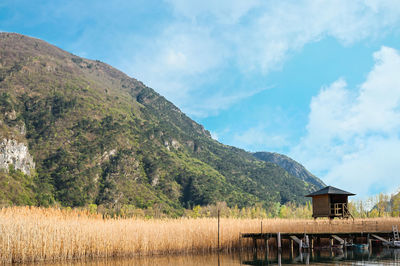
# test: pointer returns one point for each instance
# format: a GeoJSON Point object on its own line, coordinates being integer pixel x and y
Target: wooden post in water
{"type": "Point", "coordinates": [318, 241]}
{"type": "Point", "coordinates": [218, 230]}
{"type": "Point", "coordinates": [369, 241]}
{"type": "Point", "coordinates": [300, 245]}
{"type": "Point", "coordinates": [291, 248]}
{"type": "Point", "coordinates": [279, 257]}
{"type": "Point", "coordinates": [278, 240]}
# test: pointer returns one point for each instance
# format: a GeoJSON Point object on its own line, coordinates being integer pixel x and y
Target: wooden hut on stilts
{"type": "Point", "coordinates": [330, 202]}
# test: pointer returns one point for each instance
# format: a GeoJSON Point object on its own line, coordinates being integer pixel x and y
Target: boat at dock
{"type": "Point", "coordinates": [360, 246]}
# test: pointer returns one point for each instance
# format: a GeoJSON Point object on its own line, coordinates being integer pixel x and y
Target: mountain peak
{"type": "Point", "coordinates": [290, 165]}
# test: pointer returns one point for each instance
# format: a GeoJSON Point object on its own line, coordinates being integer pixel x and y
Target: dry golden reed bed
{"type": "Point", "coordinates": [37, 234]}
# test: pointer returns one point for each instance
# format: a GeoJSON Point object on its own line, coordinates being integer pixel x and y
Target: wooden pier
{"type": "Point", "coordinates": [313, 240]}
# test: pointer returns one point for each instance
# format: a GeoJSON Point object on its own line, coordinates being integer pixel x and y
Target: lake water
{"type": "Point", "coordinates": [382, 256]}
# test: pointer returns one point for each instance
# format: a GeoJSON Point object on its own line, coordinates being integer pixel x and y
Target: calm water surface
{"type": "Point", "coordinates": [351, 257]}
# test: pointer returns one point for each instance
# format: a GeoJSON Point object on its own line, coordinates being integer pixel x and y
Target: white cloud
{"type": "Point", "coordinates": [224, 11]}
{"type": "Point", "coordinates": [214, 135]}
{"type": "Point", "coordinates": [257, 137]}
{"type": "Point", "coordinates": [252, 37]}
{"type": "Point", "coordinates": [217, 101]}
{"type": "Point", "coordinates": [175, 63]}
{"type": "Point", "coordinates": [353, 133]}
{"type": "Point", "coordinates": [284, 27]}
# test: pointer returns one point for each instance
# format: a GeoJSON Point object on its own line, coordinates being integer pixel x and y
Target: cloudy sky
{"type": "Point", "coordinates": [316, 80]}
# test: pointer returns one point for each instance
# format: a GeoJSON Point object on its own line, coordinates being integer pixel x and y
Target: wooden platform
{"type": "Point", "coordinates": [313, 240]}
{"type": "Point", "coordinates": [320, 235]}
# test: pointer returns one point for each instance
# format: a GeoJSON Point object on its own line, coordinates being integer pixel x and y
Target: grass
{"type": "Point", "coordinates": [38, 234]}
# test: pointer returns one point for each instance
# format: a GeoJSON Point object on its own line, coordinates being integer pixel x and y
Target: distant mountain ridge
{"type": "Point", "coordinates": [290, 165]}
{"type": "Point", "coordinates": [75, 131]}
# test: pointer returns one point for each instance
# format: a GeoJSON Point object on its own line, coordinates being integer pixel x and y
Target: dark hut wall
{"type": "Point", "coordinates": [339, 198]}
{"type": "Point", "coordinates": [321, 205]}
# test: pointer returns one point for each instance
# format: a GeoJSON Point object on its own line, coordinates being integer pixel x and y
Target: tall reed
{"type": "Point", "coordinates": [39, 234]}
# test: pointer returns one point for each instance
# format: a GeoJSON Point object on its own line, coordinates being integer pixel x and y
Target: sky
{"type": "Point", "coordinates": [316, 80]}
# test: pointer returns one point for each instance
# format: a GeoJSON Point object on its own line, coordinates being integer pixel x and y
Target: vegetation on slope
{"type": "Point", "coordinates": [290, 165]}
{"type": "Point", "coordinates": [100, 137]}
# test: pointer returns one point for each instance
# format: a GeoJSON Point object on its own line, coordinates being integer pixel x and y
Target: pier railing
{"type": "Point", "coordinates": [340, 210]}
{"type": "Point", "coordinates": [326, 225]}
{"type": "Point", "coordinates": [345, 226]}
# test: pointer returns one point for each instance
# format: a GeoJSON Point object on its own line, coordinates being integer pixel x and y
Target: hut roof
{"type": "Point", "coordinates": [330, 190]}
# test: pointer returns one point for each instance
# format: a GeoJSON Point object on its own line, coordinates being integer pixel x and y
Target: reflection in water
{"type": "Point", "coordinates": [179, 260]}
{"type": "Point", "coordinates": [320, 257]}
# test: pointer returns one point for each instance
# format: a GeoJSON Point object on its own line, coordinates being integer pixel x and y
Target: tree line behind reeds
{"type": "Point", "coordinates": [382, 205]}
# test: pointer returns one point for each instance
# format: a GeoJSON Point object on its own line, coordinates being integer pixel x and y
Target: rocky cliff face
{"type": "Point", "coordinates": [291, 166]}
{"type": "Point", "coordinates": [16, 154]}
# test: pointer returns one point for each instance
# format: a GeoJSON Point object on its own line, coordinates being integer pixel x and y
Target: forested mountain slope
{"type": "Point", "coordinates": [290, 165]}
{"type": "Point", "coordinates": [75, 131]}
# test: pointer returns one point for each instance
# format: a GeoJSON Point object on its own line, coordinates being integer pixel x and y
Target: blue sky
{"type": "Point", "coordinates": [316, 80]}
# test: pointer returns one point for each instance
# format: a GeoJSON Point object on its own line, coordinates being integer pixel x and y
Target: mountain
{"type": "Point", "coordinates": [290, 165]}
{"type": "Point", "coordinates": [75, 131]}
